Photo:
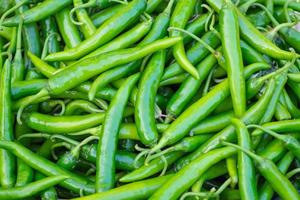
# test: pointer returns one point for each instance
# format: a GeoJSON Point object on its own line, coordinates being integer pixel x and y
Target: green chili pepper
{"type": "Point", "coordinates": [181, 14]}
{"type": "Point", "coordinates": [144, 110]}
{"type": "Point", "coordinates": [105, 171]}
{"type": "Point", "coordinates": [137, 190]}
{"type": "Point", "coordinates": [68, 76]}
{"type": "Point", "coordinates": [125, 40]}
{"type": "Point", "coordinates": [31, 189]}
{"type": "Point", "coordinates": [65, 124]}
{"type": "Point", "coordinates": [213, 123]}
{"type": "Point", "coordinates": [86, 25]}
{"type": "Point", "coordinates": [266, 191]}
{"type": "Point", "coordinates": [38, 12]}
{"type": "Point", "coordinates": [233, 57]}
{"type": "Point", "coordinates": [246, 172]}
{"type": "Point", "coordinates": [185, 178]}
{"type": "Point", "coordinates": [100, 17]}
{"type": "Point", "coordinates": [67, 29]}
{"type": "Point", "coordinates": [51, 33]}
{"type": "Point", "coordinates": [78, 106]}
{"type": "Point", "coordinates": [104, 33]}
{"type": "Point", "coordinates": [18, 67]}
{"type": "Point", "coordinates": [7, 166]}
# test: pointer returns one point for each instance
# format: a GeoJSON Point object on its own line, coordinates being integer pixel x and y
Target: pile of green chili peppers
{"type": "Point", "coordinates": [150, 99]}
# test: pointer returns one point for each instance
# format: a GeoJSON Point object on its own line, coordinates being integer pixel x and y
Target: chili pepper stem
{"type": "Point", "coordinates": [251, 154]}
{"type": "Point", "coordinates": [293, 172]}
{"type": "Point", "coordinates": [28, 101]}
{"type": "Point", "coordinates": [90, 3]}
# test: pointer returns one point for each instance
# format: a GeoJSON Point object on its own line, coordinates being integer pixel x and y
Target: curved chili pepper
{"type": "Point", "coordinates": [104, 33]}
{"type": "Point", "coordinates": [38, 12]}
{"type": "Point", "coordinates": [105, 171]}
{"type": "Point", "coordinates": [7, 163]}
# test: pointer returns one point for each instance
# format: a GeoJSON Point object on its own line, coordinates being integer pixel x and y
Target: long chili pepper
{"type": "Point", "coordinates": [51, 30]}
{"type": "Point", "coordinates": [124, 160]}
{"type": "Point", "coordinates": [181, 14]}
{"type": "Point", "coordinates": [100, 17]}
{"type": "Point", "coordinates": [67, 29]}
{"type": "Point", "coordinates": [105, 171]}
{"type": "Point", "coordinates": [144, 110]}
{"type": "Point", "coordinates": [7, 163]}
{"type": "Point", "coordinates": [185, 178]}
{"type": "Point", "coordinates": [18, 67]}
{"type": "Point", "coordinates": [104, 33]}
{"type": "Point", "coordinates": [155, 166]}
{"type": "Point", "coordinates": [213, 123]}
{"type": "Point", "coordinates": [98, 64]}
{"type": "Point", "coordinates": [281, 184]}
{"type": "Point", "coordinates": [38, 12]}
{"type": "Point", "coordinates": [86, 25]}
{"type": "Point", "coordinates": [78, 106]}
{"type": "Point", "coordinates": [126, 39]}
{"type": "Point", "coordinates": [253, 115]}
{"type": "Point", "coordinates": [246, 172]}
{"type": "Point", "coordinates": [140, 190]}
{"type": "Point", "coordinates": [66, 124]}
{"type": "Point", "coordinates": [32, 188]}
{"type": "Point", "coordinates": [266, 192]}
{"type": "Point", "coordinates": [233, 57]}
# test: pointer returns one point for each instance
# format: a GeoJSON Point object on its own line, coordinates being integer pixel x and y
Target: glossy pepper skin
{"type": "Point", "coordinates": [181, 14]}
{"type": "Point", "coordinates": [31, 189]}
{"type": "Point", "coordinates": [106, 151]}
{"type": "Point", "coordinates": [7, 160]}
{"type": "Point", "coordinates": [137, 190]}
{"type": "Point", "coordinates": [38, 12]}
{"type": "Point", "coordinates": [144, 110]}
{"type": "Point", "coordinates": [185, 178]}
{"type": "Point", "coordinates": [229, 30]}
{"type": "Point", "coordinates": [81, 71]}
{"type": "Point", "coordinates": [246, 171]}
{"type": "Point", "coordinates": [108, 30]}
